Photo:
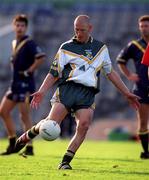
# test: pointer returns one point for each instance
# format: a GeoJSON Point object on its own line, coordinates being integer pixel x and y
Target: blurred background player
{"type": "Point", "coordinates": [77, 68]}
{"type": "Point", "coordinates": [134, 50]}
{"type": "Point", "coordinates": [26, 58]}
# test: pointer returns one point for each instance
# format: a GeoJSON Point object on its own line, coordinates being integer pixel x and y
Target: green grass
{"type": "Point", "coordinates": [94, 160]}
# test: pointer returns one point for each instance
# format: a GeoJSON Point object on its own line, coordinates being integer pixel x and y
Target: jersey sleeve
{"type": "Point", "coordinates": [125, 54]}
{"type": "Point", "coordinates": [58, 64]}
{"type": "Point", "coordinates": [145, 59]}
{"type": "Point", "coordinates": [107, 64]}
{"type": "Point", "coordinates": [35, 50]}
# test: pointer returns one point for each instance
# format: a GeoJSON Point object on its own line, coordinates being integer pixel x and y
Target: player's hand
{"type": "Point", "coordinates": [37, 99]}
{"type": "Point", "coordinates": [133, 77]}
{"type": "Point", "coordinates": [133, 100]}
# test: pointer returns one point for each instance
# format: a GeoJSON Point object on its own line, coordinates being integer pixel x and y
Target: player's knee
{"type": "Point", "coordinates": [83, 126]}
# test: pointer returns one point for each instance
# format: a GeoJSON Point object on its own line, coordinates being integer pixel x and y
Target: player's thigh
{"type": "Point", "coordinates": [58, 112]}
{"type": "Point", "coordinates": [24, 108]}
{"type": "Point", "coordinates": [84, 116]}
{"type": "Point", "coordinates": [6, 105]}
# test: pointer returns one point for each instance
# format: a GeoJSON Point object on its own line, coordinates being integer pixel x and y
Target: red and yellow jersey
{"type": "Point", "coordinates": [145, 59]}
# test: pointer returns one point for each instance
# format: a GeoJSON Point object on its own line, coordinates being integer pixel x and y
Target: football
{"type": "Point", "coordinates": [49, 130]}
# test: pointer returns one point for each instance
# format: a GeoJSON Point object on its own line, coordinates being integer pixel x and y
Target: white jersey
{"type": "Point", "coordinates": [85, 61]}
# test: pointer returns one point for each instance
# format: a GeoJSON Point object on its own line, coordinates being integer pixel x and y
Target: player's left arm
{"type": "Point", "coordinates": [117, 81]}
{"type": "Point", "coordinates": [119, 84]}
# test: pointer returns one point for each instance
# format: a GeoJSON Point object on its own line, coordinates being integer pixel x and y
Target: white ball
{"type": "Point", "coordinates": [49, 130]}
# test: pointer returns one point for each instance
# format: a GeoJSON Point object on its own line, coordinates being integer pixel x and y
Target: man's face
{"type": "Point", "coordinates": [144, 28]}
{"type": "Point", "coordinates": [82, 31]}
{"type": "Point", "coordinates": [20, 28]}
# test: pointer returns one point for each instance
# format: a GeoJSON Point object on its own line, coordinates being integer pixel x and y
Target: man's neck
{"type": "Point", "coordinates": [18, 38]}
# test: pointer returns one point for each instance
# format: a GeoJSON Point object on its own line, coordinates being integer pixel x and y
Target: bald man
{"type": "Point", "coordinates": [77, 68]}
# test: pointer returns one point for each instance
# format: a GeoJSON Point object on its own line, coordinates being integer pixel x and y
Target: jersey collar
{"type": "Point", "coordinates": [75, 40]}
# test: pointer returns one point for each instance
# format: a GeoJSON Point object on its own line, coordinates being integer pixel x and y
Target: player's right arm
{"type": "Point", "coordinates": [53, 75]}
{"type": "Point", "coordinates": [47, 84]}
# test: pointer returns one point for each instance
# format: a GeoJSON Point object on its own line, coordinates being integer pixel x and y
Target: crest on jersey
{"type": "Point", "coordinates": [88, 54]}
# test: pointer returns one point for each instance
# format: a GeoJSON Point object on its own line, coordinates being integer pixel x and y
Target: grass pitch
{"type": "Point", "coordinates": [94, 161]}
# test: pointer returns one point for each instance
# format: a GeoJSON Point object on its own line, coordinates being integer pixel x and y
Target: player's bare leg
{"type": "Point", "coordinates": [6, 107]}
{"type": "Point", "coordinates": [83, 119]}
{"type": "Point", "coordinates": [57, 113]}
{"type": "Point", "coordinates": [143, 118]}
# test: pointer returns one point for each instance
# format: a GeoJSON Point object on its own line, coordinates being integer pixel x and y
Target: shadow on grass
{"type": "Point", "coordinates": [110, 159]}
{"type": "Point", "coordinates": [113, 171]}
{"type": "Point", "coordinates": [100, 159]}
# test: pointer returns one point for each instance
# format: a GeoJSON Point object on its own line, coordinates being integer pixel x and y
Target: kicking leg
{"type": "Point", "coordinates": [24, 109]}
{"type": "Point", "coordinates": [27, 137]}
{"type": "Point", "coordinates": [57, 113]}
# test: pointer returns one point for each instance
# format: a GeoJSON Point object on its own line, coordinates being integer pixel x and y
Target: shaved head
{"type": "Point", "coordinates": [82, 28]}
{"type": "Point", "coordinates": [83, 19]}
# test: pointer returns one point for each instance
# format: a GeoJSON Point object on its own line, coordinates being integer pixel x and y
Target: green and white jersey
{"type": "Point", "coordinates": [81, 62]}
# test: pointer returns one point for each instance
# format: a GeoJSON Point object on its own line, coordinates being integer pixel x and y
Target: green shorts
{"type": "Point", "coordinates": [74, 96]}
